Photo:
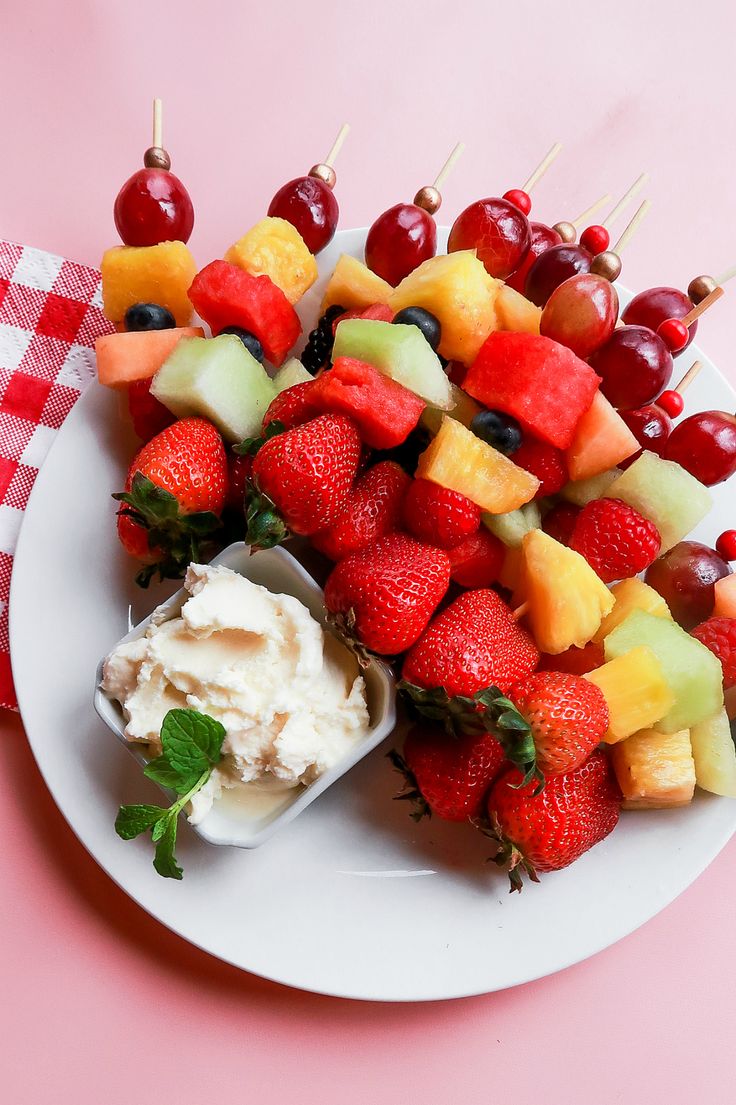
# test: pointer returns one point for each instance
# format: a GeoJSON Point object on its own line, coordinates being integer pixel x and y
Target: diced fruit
{"type": "Point", "coordinates": [218, 379]}
{"type": "Point", "coordinates": [148, 274]}
{"type": "Point", "coordinates": [276, 249]}
{"type": "Point", "coordinates": [666, 494]}
{"type": "Point", "coordinates": [631, 594]}
{"type": "Point", "coordinates": [510, 574]}
{"type": "Point", "coordinates": [559, 522]}
{"type": "Point", "coordinates": [515, 312]}
{"type": "Point", "coordinates": [510, 528]}
{"type": "Point", "coordinates": [437, 515]}
{"type": "Point", "coordinates": [685, 577]}
{"type": "Point", "coordinates": [655, 770]}
{"type": "Point", "coordinates": [291, 372]}
{"type": "Point", "coordinates": [458, 291]}
{"type": "Point", "coordinates": [463, 409]}
{"type": "Point", "coordinates": [615, 539]}
{"type": "Point", "coordinates": [542, 384]}
{"type": "Point", "coordinates": [384, 411]}
{"type": "Point", "coordinates": [692, 671]}
{"type": "Point", "coordinates": [725, 597]}
{"type": "Point", "coordinates": [149, 417]}
{"type": "Point", "coordinates": [477, 561]}
{"type": "Point", "coordinates": [636, 691]}
{"type": "Point", "coordinates": [353, 286]}
{"type": "Point", "coordinates": [293, 406]}
{"type": "Point", "coordinates": [401, 352]}
{"type": "Point", "coordinates": [225, 295]}
{"type": "Point", "coordinates": [568, 717]}
{"type": "Point", "coordinates": [601, 440]}
{"type": "Point", "coordinates": [577, 661]}
{"type": "Point", "coordinates": [449, 778]}
{"type": "Point", "coordinates": [719, 635]}
{"type": "Point", "coordinates": [372, 510]}
{"type": "Point", "coordinates": [582, 492]}
{"type": "Point", "coordinates": [567, 600]}
{"type": "Point", "coordinates": [545, 462]}
{"type": "Point", "coordinates": [138, 355]}
{"type": "Point", "coordinates": [459, 460]}
{"type": "Point", "coordinates": [714, 754]}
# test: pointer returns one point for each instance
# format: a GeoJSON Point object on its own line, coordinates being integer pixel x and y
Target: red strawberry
{"type": "Point", "coordinates": [477, 561]}
{"type": "Point", "coordinates": [292, 407]}
{"type": "Point", "coordinates": [372, 510]}
{"type": "Point", "coordinates": [560, 521]}
{"type": "Point", "coordinates": [239, 469]}
{"type": "Point", "coordinates": [576, 661]}
{"type": "Point", "coordinates": [388, 591]}
{"type": "Point", "coordinates": [305, 473]}
{"type": "Point", "coordinates": [473, 644]}
{"type": "Point", "coordinates": [568, 717]}
{"type": "Point", "coordinates": [615, 539]}
{"type": "Point", "coordinates": [148, 415]}
{"type": "Point", "coordinates": [719, 635]}
{"type": "Point", "coordinates": [439, 516]}
{"type": "Point", "coordinates": [545, 462]}
{"type": "Point", "coordinates": [174, 494]}
{"type": "Point", "coordinates": [550, 829]}
{"type": "Point", "coordinates": [448, 775]}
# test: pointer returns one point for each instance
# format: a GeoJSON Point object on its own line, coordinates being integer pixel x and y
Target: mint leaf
{"type": "Point", "coordinates": [192, 742]}
{"type": "Point", "coordinates": [162, 772]}
{"type": "Point", "coordinates": [131, 821]}
{"type": "Point", "coordinates": [164, 859]}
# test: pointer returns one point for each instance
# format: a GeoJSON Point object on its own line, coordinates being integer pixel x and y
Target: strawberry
{"type": "Point", "coordinates": [477, 561]}
{"type": "Point", "coordinates": [448, 775]}
{"type": "Point", "coordinates": [386, 593]}
{"type": "Point", "coordinates": [545, 462]}
{"type": "Point", "coordinates": [292, 407]}
{"type": "Point", "coordinates": [372, 510]}
{"type": "Point", "coordinates": [174, 494]}
{"type": "Point", "coordinates": [148, 415]}
{"type": "Point", "coordinates": [239, 468]}
{"type": "Point", "coordinates": [560, 521]}
{"type": "Point", "coordinates": [576, 661]}
{"type": "Point", "coordinates": [615, 539]}
{"type": "Point", "coordinates": [719, 635]}
{"type": "Point", "coordinates": [301, 479]}
{"type": "Point", "coordinates": [568, 717]}
{"type": "Point", "coordinates": [439, 516]}
{"type": "Point", "coordinates": [549, 829]}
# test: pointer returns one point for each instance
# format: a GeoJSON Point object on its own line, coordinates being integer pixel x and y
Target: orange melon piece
{"type": "Point", "coordinates": [460, 461]}
{"type": "Point", "coordinates": [601, 440]}
{"type": "Point", "coordinates": [354, 287]}
{"type": "Point", "coordinates": [148, 274]}
{"type": "Point", "coordinates": [515, 312]}
{"type": "Point", "coordinates": [138, 355]}
{"type": "Point", "coordinates": [725, 597]}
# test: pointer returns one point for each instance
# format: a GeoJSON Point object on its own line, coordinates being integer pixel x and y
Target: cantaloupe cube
{"type": "Point", "coordinates": [148, 274]}
{"type": "Point", "coordinates": [632, 594]}
{"type": "Point", "coordinates": [636, 692]}
{"type": "Point", "coordinates": [664, 493]}
{"type": "Point", "coordinates": [515, 312]}
{"type": "Point", "coordinates": [602, 440]}
{"type": "Point", "coordinates": [460, 461]}
{"type": "Point", "coordinates": [275, 248]}
{"type": "Point", "coordinates": [510, 574]}
{"type": "Point", "coordinates": [725, 597]}
{"type": "Point", "coordinates": [138, 354]}
{"type": "Point", "coordinates": [354, 287]}
{"type": "Point", "coordinates": [655, 770]}
{"type": "Point", "coordinates": [714, 753]}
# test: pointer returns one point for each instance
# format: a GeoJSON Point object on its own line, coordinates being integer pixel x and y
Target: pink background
{"type": "Point", "coordinates": [100, 1003]}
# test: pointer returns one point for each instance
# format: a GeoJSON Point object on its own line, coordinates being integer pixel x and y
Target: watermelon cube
{"type": "Point", "coordinates": [225, 295]}
{"type": "Point", "coordinates": [536, 380]}
{"type": "Point", "coordinates": [385, 412]}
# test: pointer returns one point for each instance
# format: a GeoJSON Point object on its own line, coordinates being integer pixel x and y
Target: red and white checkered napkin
{"type": "Point", "coordinates": [50, 315]}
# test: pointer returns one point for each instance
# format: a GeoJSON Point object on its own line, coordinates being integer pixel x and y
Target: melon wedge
{"type": "Point", "coordinates": [582, 492]}
{"type": "Point", "coordinates": [138, 355]}
{"type": "Point", "coordinates": [353, 286]}
{"type": "Point", "coordinates": [602, 439]}
{"type": "Point", "coordinates": [664, 493]}
{"type": "Point", "coordinates": [715, 755]}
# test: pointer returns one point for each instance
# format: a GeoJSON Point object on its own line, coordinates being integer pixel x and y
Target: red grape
{"type": "Point", "coordinates": [651, 426]}
{"type": "Point", "coordinates": [552, 267]}
{"type": "Point", "coordinates": [634, 366]}
{"type": "Point", "coordinates": [685, 577]}
{"type": "Point", "coordinates": [399, 240]}
{"type": "Point", "coordinates": [499, 232]}
{"type": "Point", "coordinates": [542, 238]}
{"type": "Point", "coordinates": [153, 206]}
{"type": "Point", "coordinates": [653, 306]}
{"type": "Point", "coordinates": [705, 444]}
{"type": "Point", "coordinates": [581, 313]}
{"type": "Point", "coordinates": [309, 205]}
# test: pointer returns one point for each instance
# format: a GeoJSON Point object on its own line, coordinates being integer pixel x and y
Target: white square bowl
{"type": "Point", "coordinates": [228, 822]}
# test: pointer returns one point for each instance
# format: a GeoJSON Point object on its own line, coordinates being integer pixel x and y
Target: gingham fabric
{"type": "Point", "coordinates": [50, 315]}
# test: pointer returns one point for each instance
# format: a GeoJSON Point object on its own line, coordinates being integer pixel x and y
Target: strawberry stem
{"type": "Point", "coordinates": [411, 793]}
{"type": "Point", "coordinates": [265, 527]}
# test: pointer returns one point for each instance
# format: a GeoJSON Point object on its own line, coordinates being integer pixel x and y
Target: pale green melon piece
{"type": "Point", "coordinates": [511, 527]}
{"type": "Point", "coordinates": [664, 493]}
{"type": "Point", "coordinates": [714, 753]}
{"type": "Point", "coordinates": [463, 409]}
{"type": "Point", "coordinates": [217, 379]}
{"type": "Point", "coordinates": [399, 351]}
{"type": "Point", "coordinates": [582, 492]}
{"type": "Point", "coordinates": [291, 373]}
{"type": "Point", "coordinates": [692, 671]}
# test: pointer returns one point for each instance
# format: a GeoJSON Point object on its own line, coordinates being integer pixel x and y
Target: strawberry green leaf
{"type": "Point", "coordinates": [265, 528]}
{"type": "Point", "coordinates": [411, 792]}
{"type": "Point", "coordinates": [250, 445]}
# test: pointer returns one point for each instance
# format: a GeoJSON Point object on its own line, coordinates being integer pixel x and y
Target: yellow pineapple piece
{"type": "Point", "coordinates": [458, 291]}
{"type": "Point", "coordinates": [715, 755]}
{"type": "Point", "coordinates": [636, 692]}
{"type": "Point", "coordinates": [460, 461]}
{"type": "Point", "coordinates": [463, 409]}
{"type": "Point", "coordinates": [632, 594]}
{"type": "Point", "coordinates": [510, 574]}
{"type": "Point", "coordinates": [655, 771]}
{"type": "Point", "coordinates": [515, 312]}
{"type": "Point", "coordinates": [275, 248]}
{"type": "Point", "coordinates": [354, 287]}
{"type": "Point", "coordinates": [148, 274]}
{"type": "Point", "coordinates": [567, 600]}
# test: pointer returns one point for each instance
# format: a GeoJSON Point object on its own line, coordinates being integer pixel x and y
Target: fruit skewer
{"type": "Point", "coordinates": [543, 237]}
{"type": "Point", "coordinates": [520, 197]}
{"type": "Point", "coordinates": [309, 203]}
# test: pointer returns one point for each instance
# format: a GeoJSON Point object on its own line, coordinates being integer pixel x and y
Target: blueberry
{"type": "Point", "coordinates": [250, 341]}
{"type": "Point", "coordinates": [427, 323]}
{"type": "Point", "coordinates": [148, 316]}
{"type": "Point", "coordinates": [500, 430]}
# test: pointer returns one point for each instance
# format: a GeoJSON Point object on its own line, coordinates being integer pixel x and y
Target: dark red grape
{"type": "Point", "coordinates": [655, 305]}
{"type": "Point", "coordinates": [552, 267]}
{"type": "Point", "coordinates": [499, 232]}
{"type": "Point", "coordinates": [399, 240]}
{"type": "Point", "coordinates": [705, 444]}
{"type": "Point", "coordinates": [153, 206]}
{"type": "Point", "coordinates": [634, 366]}
{"type": "Point", "coordinates": [308, 204]}
{"type": "Point", "coordinates": [685, 577]}
{"type": "Point", "coordinates": [542, 238]}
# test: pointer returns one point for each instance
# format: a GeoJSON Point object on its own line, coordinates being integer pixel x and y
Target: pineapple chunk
{"type": "Point", "coordinates": [148, 274]}
{"type": "Point", "coordinates": [715, 755]}
{"type": "Point", "coordinates": [582, 492]}
{"type": "Point", "coordinates": [515, 312]}
{"type": "Point", "coordinates": [655, 770]}
{"type": "Point", "coordinates": [275, 248]}
{"type": "Point", "coordinates": [460, 461]}
{"type": "Point", "coordinates": [458, 291]}
{"type": "Point", "coordinates": [631, 594]}
{"type": "Point", "coordinates": [567, 599]}
{"type": "Point", "coordinates": [463, 409]}
{"type": "Point", "coordinates": [354, 287]}
{"type": "Point", "coordinates": [510, 574]}
{"type": "Point", "coordinates": [635, 690]}
{"type": "Point", "coordinates": [664, 493]}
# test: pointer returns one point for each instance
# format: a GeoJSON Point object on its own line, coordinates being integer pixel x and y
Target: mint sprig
{"type": "Point", "coordinates": [191, 747]}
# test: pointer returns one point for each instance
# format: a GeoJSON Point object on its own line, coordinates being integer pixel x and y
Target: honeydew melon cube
{"type": "Point", "coordinates": [512, 527]}
{"type": "Point", "coordinates": [714, 753]}
{"type": "Point", "coordinates": [291, 372]}
{"type": "Point", "coordinates": [664, 493]}
{"type": "Point", "coordinates": [399, 351]}
{"type": "Point", "coordinates": [582, 492]}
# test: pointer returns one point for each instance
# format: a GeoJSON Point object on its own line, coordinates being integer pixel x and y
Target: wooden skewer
{"type": "Point", "coordinates": [702, 307]}
{"type": "Point", "coordinates": [158, 125]}
{"type": "Point", "coordinates": [520, 611]}
{"type": "Point", "coordinates": [634, 190]}
{"type": "Point", "coordinates": [584, 216]}
{"type": "Point", "coordinates": [633, 226]}
{"type": "Point", "coordinates": [553, 152]}
{"type": "Point", "coordinates": [689, 376]}
{"type": "Point", "coordinates": [337, 145]}
{"type": "Point", "coordinates": [449, 166]}
{"type": "Point", "coordinates": [726, 276]}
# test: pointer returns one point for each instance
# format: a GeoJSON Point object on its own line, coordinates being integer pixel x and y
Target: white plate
{"type": "Point", "coordinates": [353, 898]}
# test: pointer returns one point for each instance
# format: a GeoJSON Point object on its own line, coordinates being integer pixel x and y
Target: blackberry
{"type": "Point", "coordinates": [320, 341]}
